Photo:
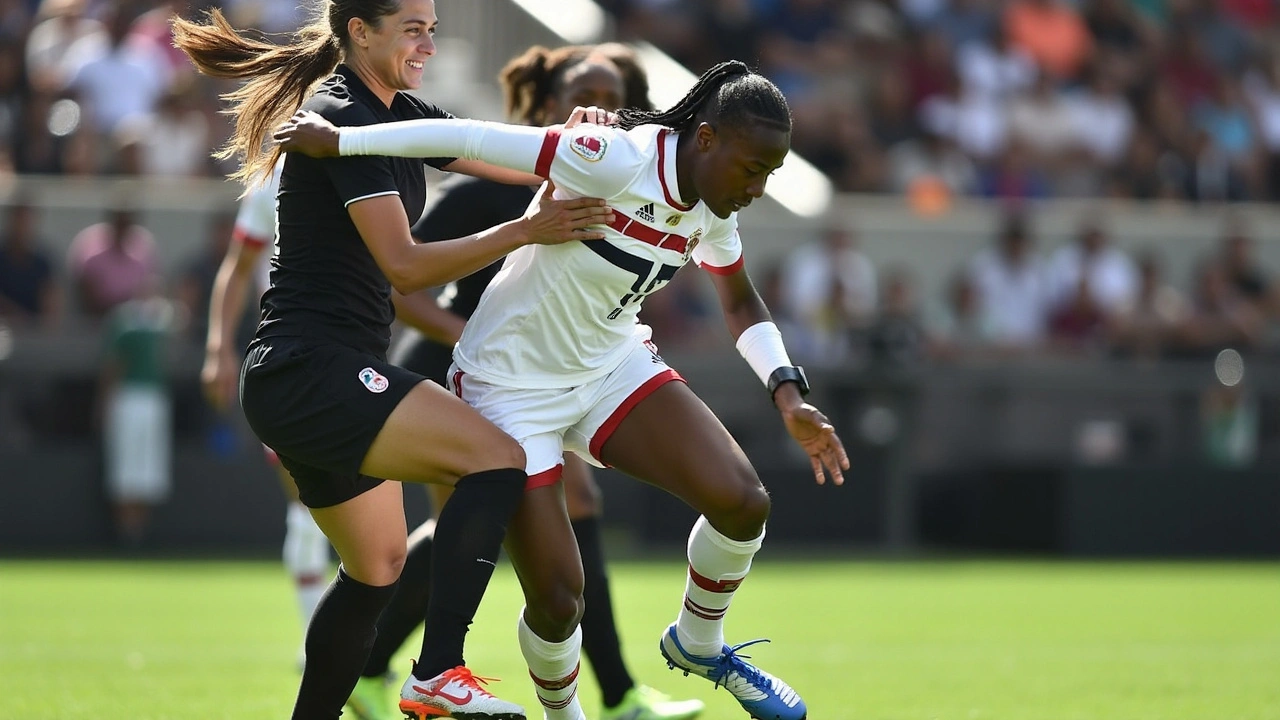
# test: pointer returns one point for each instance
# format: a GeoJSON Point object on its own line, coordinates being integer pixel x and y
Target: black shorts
{"type": "Point", "coordinates": [320, 408]}
{"type": "Point", "coordinates": [428, 358]}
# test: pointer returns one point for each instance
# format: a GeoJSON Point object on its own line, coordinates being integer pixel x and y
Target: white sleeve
{"type": "Point", "coordinates": [588, 160]}
{"type": "Point", "coordinates": [256, 218]}
{"type": "Point", "coordinates": [593, 161]}
{"type": "Point", "coordinates": [720, 251]}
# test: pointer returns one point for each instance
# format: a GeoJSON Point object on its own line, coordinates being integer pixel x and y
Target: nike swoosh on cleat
{"type": "Point", "coordinates": [456, 700]}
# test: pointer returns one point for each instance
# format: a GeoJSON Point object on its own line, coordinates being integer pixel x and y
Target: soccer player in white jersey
{"type": "Point", "coordinates": [555, 357]}
{"type": "Point", "coordinates": [248, 261]}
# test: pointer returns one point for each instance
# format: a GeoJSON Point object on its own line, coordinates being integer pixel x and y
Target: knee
{"type": "Point", "coordinates": [554, 611]}
{"type": "Point", "coordinates": [500, 453]}
{"type": "Point", "coordinates": [740, 511]}
{"type": "Point", "coordinates": [377, 566]}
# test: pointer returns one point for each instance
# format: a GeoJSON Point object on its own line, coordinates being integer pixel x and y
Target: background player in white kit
{"type": "Point", "coordinates": [248, 262]}
{"type": "Point", "coordinates": [555, 357]}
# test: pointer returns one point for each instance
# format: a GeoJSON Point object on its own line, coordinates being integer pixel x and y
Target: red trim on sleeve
{"type": "Point", "coordinates": [726, 270]}
{"type": "Point", "coordinates": [544, 478]}
{"type": "Point", "coordinates": [548, 153]}
{"type": "Point", "coordinates": [662, 174]}
{"type": "Point", "coordinates": [242, 236]}
{"type": "Point", "coordinates": [606, 430]}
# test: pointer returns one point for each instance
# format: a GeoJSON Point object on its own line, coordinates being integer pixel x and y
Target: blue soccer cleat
{"type": "Point", "coordinates": [762, 695]}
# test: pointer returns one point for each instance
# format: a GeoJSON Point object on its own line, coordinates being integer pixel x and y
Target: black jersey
{"type": "Point", "coordinates": [465, 206]}
{"type": "Point", "coordinates": [325, 285]}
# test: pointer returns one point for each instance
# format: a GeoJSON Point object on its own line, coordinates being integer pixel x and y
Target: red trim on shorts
{"type": "Point", "coordinates": [607, 429]}
{"type": "Point", "coordinates": [544, 478]}
{"type": "Point", "coordinates": [272, 458]}
{"type": "Point", "coordinates": [715, 586]}
{"type": "Point", "coordinates": [240, 235]}
{"type": "Point", "coordinates": [662, 174]}
{"type": "Point", "coordinates": [560, 684]}
{"type": "Point", "coordinates": [542, 168]}
{"type": "Point", "coordinates": [726, 270]}
{"type": "Point", "coordinates": [634, 229]}
{"type": "Point", "coordinates": [457, 384]}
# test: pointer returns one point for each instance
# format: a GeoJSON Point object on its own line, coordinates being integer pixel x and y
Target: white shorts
{"type": "Point", "coordinates": [138, 444]}
{"type": "Point", "coordinates": [548, 421]}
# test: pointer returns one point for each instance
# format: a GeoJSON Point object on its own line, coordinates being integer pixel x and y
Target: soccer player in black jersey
{"type": "Point", "coordinates": [315, 384]}
{"type": "Point", "coordinates": [540, 86]}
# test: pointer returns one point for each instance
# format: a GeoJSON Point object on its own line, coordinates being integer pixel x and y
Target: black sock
{"type": "Point", "coordinates": [338, 640]}
{"type": "Point", "coordinates": [599, 633]}
{"type": "Point", "coordinates": [468, 538]}
{"type": "Point", "coordinates": [406, 610]}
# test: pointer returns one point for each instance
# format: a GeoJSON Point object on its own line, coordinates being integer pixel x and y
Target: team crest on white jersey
{"type": "Point", "coordinates": [374, 381]}
{"type": "Point", "coordinates": [674, 219]}
{"type": "Point", "coordinates": [589, 147]}
{"type": "Point", "coordinates": [694, 237]}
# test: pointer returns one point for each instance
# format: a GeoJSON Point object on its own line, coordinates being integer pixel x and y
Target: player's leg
{"type": "Point", "coordinates": [367, 531]}
{"type": "Point", "coordinates": [306, 549]}
{"type": "Point", "coordinates": [622, 698]}
{"type": "Point", "coordinates": [542, 548]}
{"type": "Point", "coordinates": [670, 439]}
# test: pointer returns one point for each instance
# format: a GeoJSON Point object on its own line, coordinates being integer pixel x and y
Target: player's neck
{"type": "Point", "coordinates": [684, 171]}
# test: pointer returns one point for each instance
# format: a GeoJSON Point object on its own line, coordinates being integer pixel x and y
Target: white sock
{"type": "Point", "coordinates": [554, 669]}
{"type": "Point", "coordinates": [306, 556]}
{"type": "Point", "coordinates": [717, 565]}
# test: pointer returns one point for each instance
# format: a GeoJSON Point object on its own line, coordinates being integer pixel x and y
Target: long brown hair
{"type": "Point", "coordinates": [280, 77]}
{"type": "Point", "coordinates": [537, 74]}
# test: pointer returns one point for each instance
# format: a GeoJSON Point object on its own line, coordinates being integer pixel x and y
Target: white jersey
{"type": "Point", "coordinates": [256, 224]}
{"type": "Point", "coordinates": [563, 315]}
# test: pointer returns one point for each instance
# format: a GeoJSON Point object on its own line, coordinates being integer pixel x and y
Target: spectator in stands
{"type": "Point", "coordinates": [830, 286]}
{"type": "Point", "coordinates": [137, 430]}
{"type": "Point", "coordinates": [175, 139]}
{"type": "Point", "coordinates": [63, 26]}
{"type": "Point", "coordinates": [931, 164]}
{"type": "Point", "coordinates": [1220, 316]}
{"type": "Point", "coordinates": [958, 329]}
{"type": "Point", "coordinates": [897, 336]}
{"type": "Point", "coordinates": [126, 79]}
{"type": "Point", "coordinates": [1052, 33]}
{"type": "Point", "coordinates": [1106, 271]}
{"type": "Point", "coordinates": [111, 262]}
{"type": "Point", "coordinates": [195, 285]}
{"type": "Point", "coordinates": [1145, 326]}
{"type": "Point", "coordinates": [1244, 273]}
{"type": "Point", "coordinates": [28, 289]}
{"type": "Point", "coordinates": [1012, 292]}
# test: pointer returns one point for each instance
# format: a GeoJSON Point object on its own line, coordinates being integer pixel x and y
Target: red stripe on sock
{"type": "Point", "coordinates": [560, 684]}
{"type": "Point", "coordinates": [705, 613]}
{"type": "Point", "coordinates": [715, 586]}
{"type": "Point", "coordinates": [558, 704]}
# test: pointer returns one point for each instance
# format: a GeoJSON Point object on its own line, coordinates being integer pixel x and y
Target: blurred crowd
{"type": "Point", "coordinates": [1141, 99]}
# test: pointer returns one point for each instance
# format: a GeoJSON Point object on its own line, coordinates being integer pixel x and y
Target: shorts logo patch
{"type": "Point", "coordinates": [374, 381]}
{"type": "Point", "coordinates": [589, 147]}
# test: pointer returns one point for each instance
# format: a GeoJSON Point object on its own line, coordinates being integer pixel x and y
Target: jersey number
{"type": "Point", "coordinates": [647, 279]}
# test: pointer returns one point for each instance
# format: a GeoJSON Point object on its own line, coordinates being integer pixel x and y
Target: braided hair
{"type": "Point", "coordinates": [729, 94]}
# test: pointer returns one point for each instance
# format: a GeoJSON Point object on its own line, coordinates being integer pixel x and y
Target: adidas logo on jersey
{"type": "Point", "coordinates": [646, 212]}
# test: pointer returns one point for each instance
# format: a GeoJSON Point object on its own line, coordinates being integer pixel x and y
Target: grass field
{"type": "Point", "coordinates": [911, 641]}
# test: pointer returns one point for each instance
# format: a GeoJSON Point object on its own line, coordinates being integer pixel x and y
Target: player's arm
{"type": "Point", "coordinates": [602, 168]}
{"type": "Point", "coordinates": [219, 375]}
{"type": "Point", "coordinates": [421, 312]}
{"type": "Point", "coordinates": [410, 266]}
{"type": "Point", "coordinates": [493, 173]}
{"type": "Point", "coordinates": [760, 343]}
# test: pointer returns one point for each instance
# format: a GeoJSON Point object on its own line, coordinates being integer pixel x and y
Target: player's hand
{"type": "Point", "coordinates": [818, 437]}
{"type": "Point", "coordinates": [592, 115]}
{"type": "Point", "coordinates": [560, 221]}
{"type": "Point", "coordinates": [309, 134]}
{"type": "Point", "coordinates": [220, 379]}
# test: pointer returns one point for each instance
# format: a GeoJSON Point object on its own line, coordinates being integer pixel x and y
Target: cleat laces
{"type": "Point", "coordinates": [463, 676]}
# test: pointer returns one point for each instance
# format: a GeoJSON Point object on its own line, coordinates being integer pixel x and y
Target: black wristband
{"type": "Point", "coordinates": [788, 373]}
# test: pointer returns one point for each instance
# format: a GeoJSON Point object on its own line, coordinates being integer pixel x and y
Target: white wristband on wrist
{"type": "Point", "coordinates": [761, 345]}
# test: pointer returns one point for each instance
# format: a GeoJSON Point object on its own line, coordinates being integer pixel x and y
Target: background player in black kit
{"type": "Point", "coordinates": [540, 86]}
{"type": "Point", "coordinates": [315, 384]}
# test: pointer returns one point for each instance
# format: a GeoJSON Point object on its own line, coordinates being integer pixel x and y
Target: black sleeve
{"type": "Point", "coordinates": [466, 205]}
{"type": "Point", "coordinates": [359, 176]}
{"type": "Point", "coordinates": [432, 112]}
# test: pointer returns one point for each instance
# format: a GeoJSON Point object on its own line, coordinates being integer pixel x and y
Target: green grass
{"type": "Point", "coordinates": [912, 641]}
